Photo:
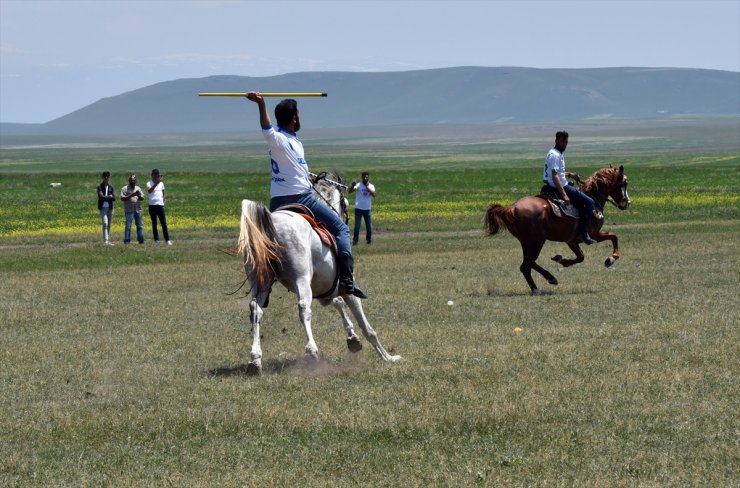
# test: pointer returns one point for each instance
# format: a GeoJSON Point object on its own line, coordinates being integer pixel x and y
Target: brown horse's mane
{"type": "Point", "coordinates": [604, 178]}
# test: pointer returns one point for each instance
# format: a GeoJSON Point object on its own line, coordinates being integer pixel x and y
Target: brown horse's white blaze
{"type": "Point", "coordinates": [531, 221]}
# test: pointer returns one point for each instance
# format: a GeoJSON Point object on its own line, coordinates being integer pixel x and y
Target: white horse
{"type": "Point", "coordinates": [282, 246]}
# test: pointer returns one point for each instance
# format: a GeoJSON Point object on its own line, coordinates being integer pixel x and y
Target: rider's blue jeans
{"type": "Point", "coordinates": [324, 214]}
{"type": "Point", "coordinates": [583, 202]}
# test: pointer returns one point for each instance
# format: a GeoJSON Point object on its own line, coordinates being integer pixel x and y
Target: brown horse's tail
{"type": "Point", "coordinates": [258, 243]}
{"type": "Point", "coordinates": [497, 218]}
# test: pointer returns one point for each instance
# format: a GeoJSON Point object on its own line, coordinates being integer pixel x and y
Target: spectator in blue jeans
{"type": "Point", "coordinates": [363, 207]}
{"type": "Point", "coordinates": [132, 196]}
{"type": "Point", "coordinates": [157, 196]}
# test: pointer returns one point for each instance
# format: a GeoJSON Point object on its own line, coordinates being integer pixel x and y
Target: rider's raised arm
{"type": "Point", "coordinates": [260, 101]}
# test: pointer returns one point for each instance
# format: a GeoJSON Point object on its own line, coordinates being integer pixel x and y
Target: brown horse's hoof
{"type": "Point", "coordinates": [354, 344]}
{"type": "Point", "coordinates": [610, 260]}
{"type": "Point", "coordinates": [557, 258]}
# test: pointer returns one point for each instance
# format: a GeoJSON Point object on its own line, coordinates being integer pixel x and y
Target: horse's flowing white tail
{"type": "Point", "coordinates": [257, 242]}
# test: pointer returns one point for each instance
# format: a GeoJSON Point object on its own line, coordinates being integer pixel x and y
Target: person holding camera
{"type": "Point", "coordinates": [157, 197]}
{"type": "Point", "coordinates": [363, 207]}
{"type": "Point", "coordinates": [131, 195]}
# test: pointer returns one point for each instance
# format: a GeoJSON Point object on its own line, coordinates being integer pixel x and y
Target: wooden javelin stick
{"type": "Point", "coordinates": [300, 94]}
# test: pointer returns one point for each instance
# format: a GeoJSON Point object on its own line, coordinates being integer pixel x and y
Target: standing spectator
{"type": "Point", "coordinates": [157, 197]}
{"type": "Point", "coordinates": [106, 197]}
{"type": "Point", "coordinates": [363, 207]}
{"type": "Point", "coordinates": [132, 196]}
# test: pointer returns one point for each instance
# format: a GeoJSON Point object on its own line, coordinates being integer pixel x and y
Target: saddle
{"type": "Point", "coordinates": [567, 212]}
{"type": "Point", "coordinates": [559, 208]}
{"type": "Point", "coordinates": [325, 236]}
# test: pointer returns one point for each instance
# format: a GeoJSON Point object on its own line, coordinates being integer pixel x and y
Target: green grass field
{"type": "Point", "coordinates": [124, 366]}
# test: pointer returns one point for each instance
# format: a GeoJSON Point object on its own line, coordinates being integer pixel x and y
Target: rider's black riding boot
{"type": "Point", "coordinates": [583, 225]}
{"type": "Point", "coordinates": [346, 276]}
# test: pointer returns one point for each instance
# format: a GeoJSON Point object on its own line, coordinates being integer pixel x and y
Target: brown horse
{"type": "Point", "coordinates": [532, 220]}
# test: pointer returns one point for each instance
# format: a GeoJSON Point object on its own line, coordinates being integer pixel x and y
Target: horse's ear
{"type": "Point", "coordinates": [621, 168]}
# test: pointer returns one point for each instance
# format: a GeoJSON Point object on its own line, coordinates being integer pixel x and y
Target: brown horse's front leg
{"type": "Point", "coordinates": [602, 236]}
{"type": "Point", "coordinates": [570, 262]}
{"type": "Point", "coordinates": [546, 274]}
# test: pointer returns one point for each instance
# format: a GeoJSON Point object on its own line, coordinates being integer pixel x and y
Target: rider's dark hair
{"type": "Point", "coordinates": [561, 134]}
{"type": "Point", "coordinates": [285, 111]}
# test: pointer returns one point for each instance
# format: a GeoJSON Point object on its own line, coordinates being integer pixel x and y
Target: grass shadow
{"type": "Point", "coordinates": [305, 366]}
{"type": "Point", "coordinates": [493, 292]}
{"type": "Point", "coordinates": [271, 366]}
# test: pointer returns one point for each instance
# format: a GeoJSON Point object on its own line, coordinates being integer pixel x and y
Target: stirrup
{"type": "Point", "coordinates": [352, 290]}
{"type": "Point", "coordinates": [587, 239]}
{"type": "Point", "coordinates": [356, 291]}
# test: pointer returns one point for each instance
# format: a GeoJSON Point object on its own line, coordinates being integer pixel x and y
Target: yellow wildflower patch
{"type": "Point", "coordinates": [688, 200]}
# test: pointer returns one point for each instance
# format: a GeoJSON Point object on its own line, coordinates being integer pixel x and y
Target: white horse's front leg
{"type": "Point", "coordinates": [304, 314]}
{"type": "Point", "coordinates": [353, 342]}
{"type": "Point", "coordinates": [255, 365]}
{"type": "Point", "coordinates": [356, 306]}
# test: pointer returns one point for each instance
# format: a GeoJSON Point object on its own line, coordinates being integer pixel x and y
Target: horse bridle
{"type": "Point", "coordinates": [315, 178]}
{"type": "Point", "coordinates": [609, 198]}
{"type": "Point", "coordinates": [606, 197]}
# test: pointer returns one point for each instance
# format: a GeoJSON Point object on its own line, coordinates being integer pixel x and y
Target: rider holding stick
{"type": "Point", "coordinates": [291, 183]}
{"type": "Point", "coordinates": [555, 176]}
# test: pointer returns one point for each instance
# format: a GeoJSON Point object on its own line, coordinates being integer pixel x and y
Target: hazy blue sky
{"type": "Point", "coordinates": [59, 56]}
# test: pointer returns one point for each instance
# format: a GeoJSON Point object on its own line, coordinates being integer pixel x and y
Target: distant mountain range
{"type": "Point", "coordinates": [462, 95]}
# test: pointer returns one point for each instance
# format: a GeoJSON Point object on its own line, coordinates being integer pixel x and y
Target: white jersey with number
{"type": "Point", "coordinates": [289, 167]}
{"type": "Point", "coordinates": [555, 161]}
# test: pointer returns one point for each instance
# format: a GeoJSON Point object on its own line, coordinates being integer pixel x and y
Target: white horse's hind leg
{"type": "Point", "coordinates": [255, 364]}
{"type": "Point", "coordinates": [356, 306]}
{"type": "Point", "coordinates": [353, 342]}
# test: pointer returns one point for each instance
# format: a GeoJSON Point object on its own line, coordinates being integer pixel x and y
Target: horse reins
{"type": "Point", "coordinates": [315, 178]}
{"type": "Point", "coordinates": [606, 197]}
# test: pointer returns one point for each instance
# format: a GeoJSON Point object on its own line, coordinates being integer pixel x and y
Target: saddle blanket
{"type": "Point", "coordinates": [561, 209]}
{"type": "Point", "coordinates": [558, 206]}
{"type": "Point", "coordinates": [325, 236]}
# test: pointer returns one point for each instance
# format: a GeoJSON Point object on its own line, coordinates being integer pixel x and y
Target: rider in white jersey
{"type": "Point", "coordinates": [291, 184]}
{"type": "Point", "coordinates": [555, 176]}
{"type": "Point", "coordinates": [289, 176]}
